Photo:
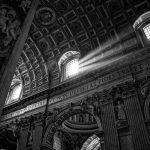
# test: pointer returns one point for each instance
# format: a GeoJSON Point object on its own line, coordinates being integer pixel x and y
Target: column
{"type": "Point", "coordinates": [111, 140]}
{"type": "Point", "coordinates": [136, 123]}
{"type": "Point", "coordinates": [15, 55]}
{"type": "Point", "coordinates": [37, 137]}
{"type": "Point", "coordinates": [23, 139]}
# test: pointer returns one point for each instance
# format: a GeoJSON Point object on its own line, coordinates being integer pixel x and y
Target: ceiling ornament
{"type": "Point", "coordinates": [45, 16]}
{"type": "Point", "coordinates": [62, 5]}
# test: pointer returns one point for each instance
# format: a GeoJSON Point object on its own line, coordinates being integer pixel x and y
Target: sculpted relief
{"type": "Point", "coordinates": [145, 87]}
{"type": "Point", "coordinates": [25, 5]}
{"type": "Point", "coordinates": [9, 27]}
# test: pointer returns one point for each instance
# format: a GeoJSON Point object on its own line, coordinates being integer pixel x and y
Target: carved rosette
{"type": "Point", "coordinates": [45, 16]}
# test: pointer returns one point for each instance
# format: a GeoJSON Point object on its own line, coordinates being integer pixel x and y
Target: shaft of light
{"type": "Point", "coordinates": [122, 35]}
{"type": "Point", "coordinates": [99, 65]}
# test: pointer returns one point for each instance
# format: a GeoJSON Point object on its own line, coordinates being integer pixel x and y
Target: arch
{"type": "Point", "coordinates": [141, 19]}
{"type": "Point", "coordinates": [66, 56]}
{"type": "Point", "coordinates": [55, 123]}
{"type": "Point", "coordinates": [69, 64]}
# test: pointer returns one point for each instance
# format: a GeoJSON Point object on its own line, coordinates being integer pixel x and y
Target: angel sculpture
{"type": "Point", "coordinates": [12, 31]}
{"type": "Point", "coordinates": [3, 19]}
{"type": "Point", "coordinates": [25, 4]}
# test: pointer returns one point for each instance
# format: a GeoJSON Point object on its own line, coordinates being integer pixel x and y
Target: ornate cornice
{"type": "Point", "coordinates": [101, 77]}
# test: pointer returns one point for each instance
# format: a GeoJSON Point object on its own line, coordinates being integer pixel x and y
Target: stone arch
{"type": "Point", "coordinates": [55, 123]}
{"type": "Point", "coordinates": [67, 134]}
{"type": "Point", "coordinates": [66, 56]}
{"type": "Point", "coordinates": [141, 19]}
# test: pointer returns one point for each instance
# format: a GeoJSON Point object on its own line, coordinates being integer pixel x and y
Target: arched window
{"type": "Point", "coordinates": [69, 64]}
{"type": "Point", "coordinates": [142, 28]}
{"type": "Point", "coordinates": [15, 91]}
{"type": "Point", "coordinates": [147, 31]}
{"type": "Point", "coordinates": [92, 143]}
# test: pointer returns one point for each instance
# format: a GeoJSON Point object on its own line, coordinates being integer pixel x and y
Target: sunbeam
{"type": "Point", "coordinates": [107, 45]}
{"type": "Point", "coordinates": [97, 65]}
{"type": "Point", "coordinates": [97, 51]}
{"type": "Point", "coordinates": [97, 58]}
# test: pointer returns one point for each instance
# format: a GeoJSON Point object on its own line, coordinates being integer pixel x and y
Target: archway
{"type": "Point", "coordinates": [55, 122]}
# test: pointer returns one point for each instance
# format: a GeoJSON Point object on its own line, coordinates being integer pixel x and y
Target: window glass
{"type": "Point", "coordinates": [72, 68]}
{"type": "Point", "coordinates": [147, 31]}
{"type": "Point", "coordinates": [69, 64]}
{"type": "Point", "coordinates": [92, 143]}
{"type": "Point", "coordinates": [16, 92]}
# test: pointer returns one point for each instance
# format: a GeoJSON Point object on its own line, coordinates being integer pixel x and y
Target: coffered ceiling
{"type": "Point", "coordinates": [75, 25]}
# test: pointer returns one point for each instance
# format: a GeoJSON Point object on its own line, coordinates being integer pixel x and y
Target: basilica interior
{"type": "Point", "coordinates": [74, 75]}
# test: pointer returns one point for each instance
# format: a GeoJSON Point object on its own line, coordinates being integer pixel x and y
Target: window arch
{"type": "Point", "coordinates": [69, 64]}
{"type": "Point", "coordinates": [15, 92]}
{"type": "Point", "coordinates": [142, 28]}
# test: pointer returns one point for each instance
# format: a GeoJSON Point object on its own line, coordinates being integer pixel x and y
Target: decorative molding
{"type": "Point", "coordinates": [128, 87]}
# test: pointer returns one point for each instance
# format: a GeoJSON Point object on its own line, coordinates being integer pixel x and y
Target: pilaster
{"type": "Point", "coordinates": [135, 118]}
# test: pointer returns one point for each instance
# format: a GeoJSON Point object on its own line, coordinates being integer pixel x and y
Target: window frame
{"type": "Point", "coordinates": [63, 65]}
{"type": "Point", "coordinates": [9, 99]}
{"type": "Point", "coordinates": [140, 23]}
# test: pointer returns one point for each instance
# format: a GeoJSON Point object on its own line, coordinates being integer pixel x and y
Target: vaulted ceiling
{"type": "Point", "coordinates": [74, 25]}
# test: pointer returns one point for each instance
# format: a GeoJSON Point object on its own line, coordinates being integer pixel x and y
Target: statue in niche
{"type": "Point", "coordinates": [84, 104]}
{"type": "Point", "coordinates": [120, 112]}
{"type": "Point", "coordinates": [30, 132]}
{"type": "Point", "coordinates": [30, 138]}
{"type": "Point", "coordinates": [145, 88]}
